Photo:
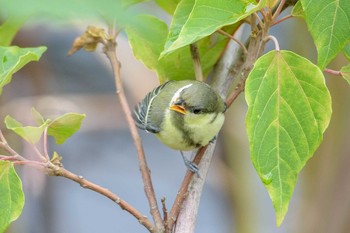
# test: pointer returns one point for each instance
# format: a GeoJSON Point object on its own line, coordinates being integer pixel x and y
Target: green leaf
{"type": "Point", "coordinates": [168, 5]}
{"type": "Point", "coordinates": [9, 29]}
{"type": "Point", "coordinates": [346, 51]}
{"type": "Point", "coordinates": [38, 118]}
{"type": "Point", "coordinates": [289, 108]}
{"type": "Point", "coordinates": [64, 10]}
{"type": "Point", "coordinates": [31, 134]}
{"type": "Point", "coordinates": [14, 58]}
{"type": "Point", "coordinates": [194, 20]}
{"type": "Point", "coordinates": [345, 72]}
{"type": "Point", "coordinates": [65, 126]}
{"type": "Point", "coordinates": [147, 41]}
{"type": "Point", "coordinates": [328, 23]}
{"type": "Point", "coordinates": [298, 10]}
{"type": "Point", "coordinates": [12, 196]}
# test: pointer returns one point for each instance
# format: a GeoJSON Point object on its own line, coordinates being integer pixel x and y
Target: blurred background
{"type": "Point", "coordinates": [234, 199]}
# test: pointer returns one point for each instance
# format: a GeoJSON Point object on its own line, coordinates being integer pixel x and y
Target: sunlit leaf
{"type": "Point", "coordinates": [31, 134]}
{"type": "Point", "coordinates": [345, 71]}
{"type": "Point", "coordinates": [11, 193]}
{"type": "Point", "coordinates": [328, 23]}
{"type": "Point", "coordinates": [65, 126]}
{"type": "Point", "coordinates": [194, 20]}
{"type": "Point", "coordinates": [14, 58]}
{"type": "Point", "coordinates": [289, 108]}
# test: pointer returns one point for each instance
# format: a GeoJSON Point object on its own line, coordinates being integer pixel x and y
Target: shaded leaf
{"type": "Point", "coordinates": [194, 20]}
{"type": "Point", "coordinates": [345, 71]}
{"type": "Point", "coordinates": [12, 196]}
{"type": "Point", "coordinates": [168, 5]}
{"type": "Point", "coordinates": [14, 58]}
{"type": "Point", "coordinates": [65, 126]}
{"type": "Point", "coordinates": [328, 23]}
{"type": "Point", "coordinates": [147, 41]}
{"type": "Point", "coordinates": [298, 10]}
{"type": "Point", "coordinates": [289, 108]}
{"type": "Point", "coordinates": [9, 29]}
{"type": "Point", "coordinates": [31, 134]}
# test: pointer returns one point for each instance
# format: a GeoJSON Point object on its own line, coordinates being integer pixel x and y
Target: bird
{"type": "Point", "coordinates": [184, 115]}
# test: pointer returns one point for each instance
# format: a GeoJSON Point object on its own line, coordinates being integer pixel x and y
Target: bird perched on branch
{"type": "Point", "coordinates": [184, 115]}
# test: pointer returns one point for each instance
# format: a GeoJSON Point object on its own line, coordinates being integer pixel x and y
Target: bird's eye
{"type": "Point", "coordinates": [197, 111]}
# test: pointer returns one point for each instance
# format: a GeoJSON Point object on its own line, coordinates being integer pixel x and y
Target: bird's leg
{"type": "Point", "coordinates": [190, 166]}
{"type": "Point", "coordinates": [213, 139]}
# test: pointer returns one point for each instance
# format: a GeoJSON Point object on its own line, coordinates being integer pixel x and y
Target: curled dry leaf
{"type": "Point", "coordinates": [88, 40]}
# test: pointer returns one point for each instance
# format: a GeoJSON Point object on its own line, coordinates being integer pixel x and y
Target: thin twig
{"type": "Point", "coordinates": [238, 90]}
{"type": "Point", "coordinates": [165, 212]}
{"type": "Point", "coordinates": [333, 72]}
{"type": "Point", "coordinates": [279, 9]}
{"type": "Point", "coordinates": [60, 171]}
{"type": "Point", "coordinates": [46, 154]}
{"type": "Point", "coordinates": [196, 62]}
{"type": "Point", "coordinates": [281, 19]}
{"type": "Point", "coordinates": [110, 51]}
{"type": "Point", "coordinates": [260, 22]}
{"type": "Point", "coordinates": [244, 49]}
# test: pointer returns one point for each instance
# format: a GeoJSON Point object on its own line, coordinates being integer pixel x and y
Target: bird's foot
{"type": "Point", "coordinates": [190, 165]}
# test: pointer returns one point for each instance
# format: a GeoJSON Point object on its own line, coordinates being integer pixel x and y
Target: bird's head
{"type": "Point", "coordinates": [196, 98]}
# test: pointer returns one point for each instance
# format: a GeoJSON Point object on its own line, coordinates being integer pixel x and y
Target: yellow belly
{"type": "Point", "coordinates": [202, 127]}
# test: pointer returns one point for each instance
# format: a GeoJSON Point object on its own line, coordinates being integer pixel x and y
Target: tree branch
{"type": "Point", "coordinates": [110, 51]}
{"type": "Point", "coordinates": [196, 62]}
{"type": "Point", "coordinates": [57, 170]}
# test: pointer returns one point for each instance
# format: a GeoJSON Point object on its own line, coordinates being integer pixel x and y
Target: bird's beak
{"type": "Point", "coordinates": [178, 108]}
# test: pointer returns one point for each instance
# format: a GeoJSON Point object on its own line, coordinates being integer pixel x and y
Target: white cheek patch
{"type": "Point", "coordinates": [177, 94]}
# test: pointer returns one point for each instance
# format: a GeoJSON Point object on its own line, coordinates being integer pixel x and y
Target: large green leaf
{"type": "Point", "coordinates": [345, 71]}
{"type": "Point", "coordinates": [195, 19]}
{"type": "Point", "coordinates": [65, 126]}
{"type": "Point", "coordinates": [289, 108]}
{"type": "Point", "coordinates": [31, 134]}
{"type": "Point", "coordinates": [14, 58]}
{"type": "Point", "coordinates": [11, 193]}
{"type": "Point", "coordinates": [346, 51]}
{"type": "Point", "coordinates": [8, 30]}
{"type": "Point", "coordinates": [147, 41]}
{"type": "Point", "coordinates": [328, 22]}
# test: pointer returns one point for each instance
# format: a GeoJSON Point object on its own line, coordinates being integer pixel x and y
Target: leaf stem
{"type": "Point", "coordinates": [282, 19]}
{"type": "Point", "coordinates": [275, 41]}
{"type": "Point", "coordinates": [279, 9]}
{"type": "Point", "coordinates": [244, 49]}
{"type": "Point", "coordinates": [46, 154]}
{"type": "Point", "coordinates": [333, 72]}
{"type": "Point", "coordinates": [110, 51]}
{"type": "Point", "coordinates": [196, 62]}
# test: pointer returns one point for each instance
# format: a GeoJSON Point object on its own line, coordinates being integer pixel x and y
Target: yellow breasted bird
{"type": "Point", "coordinates": [183, 115]}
